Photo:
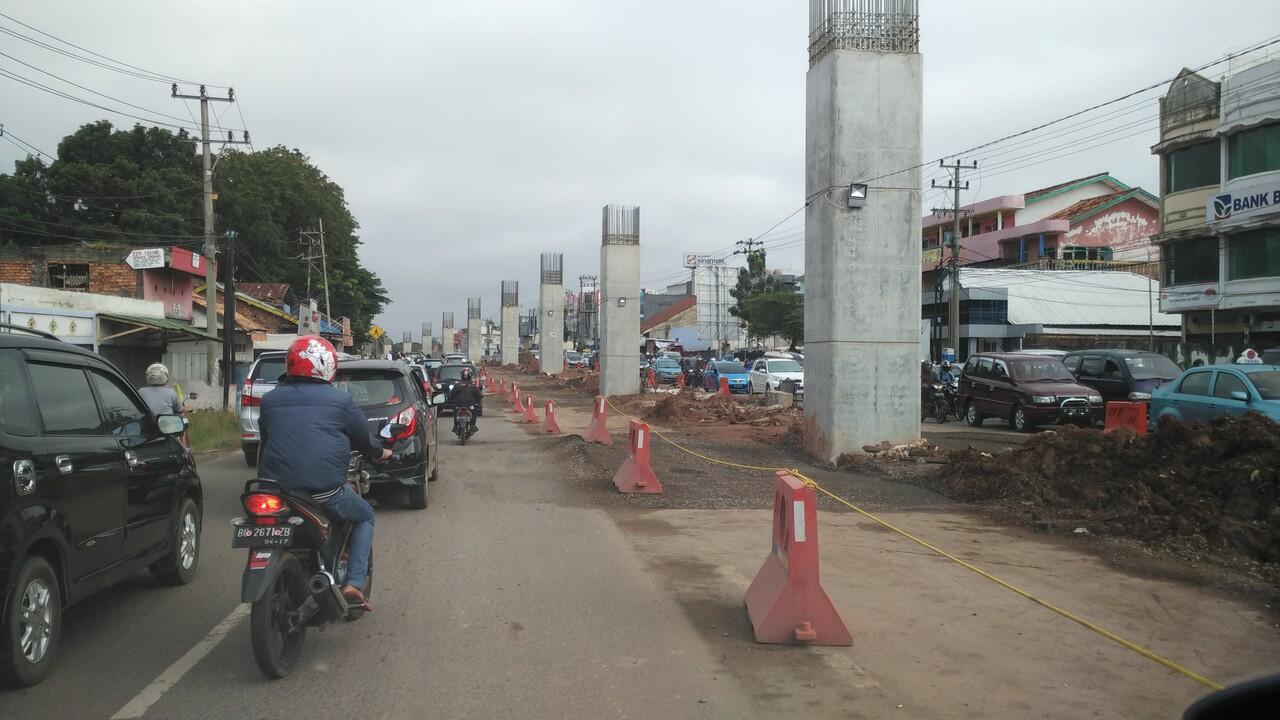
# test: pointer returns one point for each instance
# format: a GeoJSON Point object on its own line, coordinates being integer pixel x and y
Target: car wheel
{"type": "Point", "coordinates": [1020, 421]}
{"type": "Point", "coordinates": [972, 416]}
{"type": "Point", "coordinates": [179, 566]}
{"type": "Point", "coordinates": [32, 624]}
{"type": "Point", "coordinates": [250, 455]}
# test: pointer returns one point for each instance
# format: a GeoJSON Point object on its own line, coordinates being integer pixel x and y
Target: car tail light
{"type": "Point", "coordinates": [246, 396]}
{"type": "Point", "coordinates": [409, 419]}
{"type": "Point", "coordinates": [264, 504]}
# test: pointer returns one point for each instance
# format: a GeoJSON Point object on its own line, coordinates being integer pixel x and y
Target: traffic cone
{"type": "Point", "coordinates": [530, 416]}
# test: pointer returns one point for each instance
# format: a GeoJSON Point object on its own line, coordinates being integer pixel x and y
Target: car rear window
{"type": "Point", "coordinates": [450, 372]}
{"type": "Point", "coordinates": [17, 413]}
{"type": "Point", "coordinates": [372, 389]}
{"type": "Point", "coordinates": [268, 369]}
{"type": "Point", "coordinates": [1268, 383]}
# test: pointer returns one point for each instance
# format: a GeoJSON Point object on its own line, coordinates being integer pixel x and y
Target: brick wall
{"type": "Point", "coordinates": [17, 272]}
{"type": "Point", "coordinates": [113, 279]}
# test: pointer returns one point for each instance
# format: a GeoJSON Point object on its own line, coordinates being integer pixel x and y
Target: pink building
{"type": "Point", "coordinates": [1090, 218]}
{"type": "Point", "coordinates": [173, 283]}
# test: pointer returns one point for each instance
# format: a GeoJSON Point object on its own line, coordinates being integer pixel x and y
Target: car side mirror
{"type": "Point", "coordinates": [439, 399]}
{"type": "Point", "coordinates": [1240, 395]}
{"type": "Point", "coordinates": [171, 425]}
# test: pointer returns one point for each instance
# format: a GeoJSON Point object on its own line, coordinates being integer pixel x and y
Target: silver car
{"type": "Point", "coordinates": [263, 375]}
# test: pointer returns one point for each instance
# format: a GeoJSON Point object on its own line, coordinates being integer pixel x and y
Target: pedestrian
{"type": "Point", "coordinates": [159, 397]}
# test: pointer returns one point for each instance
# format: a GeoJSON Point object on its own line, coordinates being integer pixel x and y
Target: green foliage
{"type": "Point", "coordinates": [777, 312]}
{"type": "Point", "coordinates": [142, 187]}
{"type": "Point", "coordinates": [752, 280]}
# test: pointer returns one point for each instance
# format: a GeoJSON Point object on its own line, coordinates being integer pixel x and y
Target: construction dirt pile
{"type": "Point", "coordinates": [1196, 487]}
{"type": "Point", "coordinates": [584, 381]}
{"type": "Point", "coordinates": [690, 408]}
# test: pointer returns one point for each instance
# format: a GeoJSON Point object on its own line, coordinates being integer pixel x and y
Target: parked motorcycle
{"type": "Point", "coordinates": [462, 423]}
{"type": "Point", "coordinates": [297, 566]}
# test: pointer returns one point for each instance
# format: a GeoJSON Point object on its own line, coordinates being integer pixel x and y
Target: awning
{"type": "Point", "coordinates": [143, 324]}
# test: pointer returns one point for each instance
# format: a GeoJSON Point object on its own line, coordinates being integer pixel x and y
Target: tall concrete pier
{"type": "Point", "coordinates": [475, 342]}
{"type": "Point", "coordinates": [862, 226]}
{"type": "Point", "coordinates": [620, 300]}
{"type": "Point", "coordinates": [551, 314]}
{"type": "Point", "coordinates": [510, 322]}
{"type": "Point", "coordinates": [427, 341]}
{"type": "Point", "coordinates": [446, 333]}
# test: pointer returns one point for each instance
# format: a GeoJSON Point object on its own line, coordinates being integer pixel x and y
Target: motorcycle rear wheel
{"type": "Point", "coordinates": [276, 648]}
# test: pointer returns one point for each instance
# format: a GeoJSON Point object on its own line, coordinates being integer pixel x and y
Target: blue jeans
{"type": "Point", "coordinates": [352, 508]}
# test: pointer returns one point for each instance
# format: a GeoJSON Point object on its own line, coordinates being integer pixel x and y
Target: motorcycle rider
{"type": "Point", "coordinates": [308, 429]}
{"type": "Point", "coordinates": [466, 393]}
{"type": "Point", "coordinates": [945, 375]}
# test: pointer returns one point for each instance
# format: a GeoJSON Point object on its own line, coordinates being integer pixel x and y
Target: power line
{"type": "Point", "coordinates": [73, 98]}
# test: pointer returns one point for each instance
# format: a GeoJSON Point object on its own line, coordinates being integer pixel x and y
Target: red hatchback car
{"type": "Point", "coordinates": [1026, 390]}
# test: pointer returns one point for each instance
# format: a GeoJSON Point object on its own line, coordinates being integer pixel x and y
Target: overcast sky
{"type": "Point", "coordinates": [471, 136]}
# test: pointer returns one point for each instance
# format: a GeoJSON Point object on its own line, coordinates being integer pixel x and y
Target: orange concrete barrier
{"type": "Point", "coordinates": [598, 428]}
{"type": "Point", "coordinates": [549, 424]}
{"type": "Point", "coordinates": [724, 387]}
{"type": "Point", "coordinates": [1130, 415]}
{"type": "Point", "coordinates": [785, 602]}
{"type": "Point", "coordinates": [636, 474]}
{"type": "Point", "coordinates": [530, 416]}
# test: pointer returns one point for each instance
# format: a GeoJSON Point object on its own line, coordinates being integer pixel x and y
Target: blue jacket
{"type": "Point", "coordinates": [308, 432]}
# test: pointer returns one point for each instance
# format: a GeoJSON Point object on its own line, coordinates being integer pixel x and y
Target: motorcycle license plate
{"type": "Point", "coordinates": [249, 536]}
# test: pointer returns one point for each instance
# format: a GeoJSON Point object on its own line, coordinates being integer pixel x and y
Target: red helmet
{"type": "Point", "coordinates": [311, 356]}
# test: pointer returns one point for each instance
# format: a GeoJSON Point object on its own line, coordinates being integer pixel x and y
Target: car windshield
{"type": "Point", "coordinates": [1152, 367]}
{"type": "Point", "coordinates": [371, 389]}
{"type": "Point", "coordinates": [665, 364]}
{"type": "Point", "coordinates": [726, 368]}
{"type": "Point", "coordinates": [1040, 370]}
{"type": "Point", "coordinates": [1268, 383]}
{"type": "Point", "coordinates": [269, 369]}
{"type": "Point", "coordinates": [573, 356]}
{"type": "Point", "coordinates": [781, 366]}
{"type": "Point", "coordinates": [450, 372]}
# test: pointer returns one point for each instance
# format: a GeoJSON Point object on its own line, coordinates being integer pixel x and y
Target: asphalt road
{"type": "Point", "coordinates": [505, 598]}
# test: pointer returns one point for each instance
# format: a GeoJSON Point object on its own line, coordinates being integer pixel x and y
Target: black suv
{"type": "Point", "coordinates": [1126, 375]}
{"type": "Point", "coordinates": [393, 397]}
{"type": "Point", "coordinates": [95, 489]}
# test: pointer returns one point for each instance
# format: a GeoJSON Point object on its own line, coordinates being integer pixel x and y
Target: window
{"type": "Point", "coordinates": [999, 371]}
{"type": "Point", "coordinates": [1191, 261]}
{"type": "Point", "coordinates": [1091, 367]}
{"type": "Point", "coordinates": [984, 368]}
{"type": "Point", "coordinates": [971, 366]}
{"type": "Point", "coordinates": [68, 277]}
{"type": "Point", "coordinates": [1254, 254]}
{"type": "Point", "coordinates": [17, 415]}
{"type": "Point", "coordinates": [1192, 167]}
{"type": "Point", "coordinates": [65, 401]}
{"type": "Point", "coordinates": [984, 312]}
{"type": "Point", "coordinates": [269, 368]}
{"type": "Point", "coordinates": [123, 416]}
{"type": "Point", "coordinates": [1227, 384]}
{"type": "Point", "coordinates": [1268, 383]}
{"type": "Point", "coordinates": [1195, 384]}
{"type": "Point", "coordinates": [1072, 363]}
{"type": "Point", "coordinates": [1042, 370]}
{"type": "Point", "coordinates": [1113, 371]}
{"type": "Point", "coordinates": [370, 390]}
{"type": "Point", "coordinates": [1253, 151]}
{"type": "Point", "coordinates": [783, 366]}
{"type": "Point", "coordinates": [1152, 367]}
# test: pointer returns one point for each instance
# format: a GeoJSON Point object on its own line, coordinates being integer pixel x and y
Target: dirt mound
{"type": "Point", "coordinates": [1214, 486]}
{"type": "Point", "coordinates": [693, 408]}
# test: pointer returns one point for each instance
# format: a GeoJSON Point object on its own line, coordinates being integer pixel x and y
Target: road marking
{"type": "Point", "coordinates": [152, 693]}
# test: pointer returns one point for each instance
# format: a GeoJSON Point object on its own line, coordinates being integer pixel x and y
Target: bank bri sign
{"type": "Point", "coordinates": [1245, 203]}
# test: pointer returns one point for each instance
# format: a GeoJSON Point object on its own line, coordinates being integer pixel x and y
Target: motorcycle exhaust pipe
{"type": "Point", "coordinates": [319, 583]}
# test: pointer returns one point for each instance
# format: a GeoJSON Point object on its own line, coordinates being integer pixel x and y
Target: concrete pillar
{"type": "Point", "coordinates": [510, 322]}
{"type": "Point", "coordinates": [620, 301]}
{"type": "Point", "coordinates": [475, 342]}
{"type": "Point", "coordinates": [862, 264]}
{"type": "Point", "coordinates": [551, 314]}
{"type": "Point", "coordinates": [446, 334]}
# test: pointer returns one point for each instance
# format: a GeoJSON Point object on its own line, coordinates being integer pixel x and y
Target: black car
{"type": "Point", "coordinates": [392, 397]}
{"type": "Point", "coordinates": [448, 376]}
{"type": "Point", "coordinates": [1128, 375]}
{"type": "Point", "coordinates": [97, 488]}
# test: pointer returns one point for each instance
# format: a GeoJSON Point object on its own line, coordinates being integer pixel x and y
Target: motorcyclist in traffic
{"type": "Point", "coordinates": [945, 374]}
{"type": "Point", "coordinates": [465, 393]}
{"type": "Point", "coordinates": [309, 428]}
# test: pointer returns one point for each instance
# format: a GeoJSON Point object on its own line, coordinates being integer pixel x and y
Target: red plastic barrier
{"type": "Point", "coordinates": [724, 386]}
{"type": "Point", "coordinates": [598, 428]}
{"type": "Point", "coordinates": [530, 415]}
{"type": "Point", "coordinates": [785, 602]}
{"type": "Point", "coordinates": [549, 424]}
{"type": "Point", "coordinates": [1131, 415]}
{"type": "Point", "coordinates": [636, 475]}
{"type": "Point", "coordinates": [680, 381]}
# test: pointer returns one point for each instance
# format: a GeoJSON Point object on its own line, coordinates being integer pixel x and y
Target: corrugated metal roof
{"type": "Point", "coordinates": [1073, 297]}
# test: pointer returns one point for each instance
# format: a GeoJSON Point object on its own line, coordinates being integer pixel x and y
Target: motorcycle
{"type": "Point", "coordinates": [952, 391]}
{"type": "Point", "coordinates": [933, 402]}
{"type": "Point", "coordinates": [462, 424]}
{"type": "Point", "coordinates": [296, 568]}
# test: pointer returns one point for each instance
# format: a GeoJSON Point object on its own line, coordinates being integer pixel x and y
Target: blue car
{"type": "Point", "coordinates": [667, 370]}
{"type": "Point", "coordinates": [736, 373]}
{"type": "Point", "coordinates": [1204, 393]}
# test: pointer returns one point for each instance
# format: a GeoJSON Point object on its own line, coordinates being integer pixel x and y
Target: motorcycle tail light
{"type": "Point", "coordinates": [264, 504]}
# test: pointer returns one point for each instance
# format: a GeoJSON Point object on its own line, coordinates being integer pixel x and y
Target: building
{"type": "Point", "coordinates": [1219, 156]}
{"type": "Point", "coordinates": [1093, 218]}
{"type": "Point", "coordinates": [1007, 310]}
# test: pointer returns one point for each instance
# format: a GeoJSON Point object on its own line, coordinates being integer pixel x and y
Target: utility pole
{"type": "Point", "coordinates": [312, 240]}
{"type": "Point", "coordinates": [746, 246]}
{"type": "Point", "coordinates": [324, 271]}
{"type": "Point", "coordinates": [955, 185]}
{"type": "Point", "coordinates": [1151, 313]}
{"type": "Point", "coordinates": [228, 317]}
{"type": "Point", "coordinates": [210, 246]}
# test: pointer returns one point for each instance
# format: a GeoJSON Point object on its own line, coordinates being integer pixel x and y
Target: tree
{"type": "Point", "coordinates": [777, 312]}
{"type": "Point", "coordinates": [752, 280]}
{"type": "Point", "coordinates": [142, 187]}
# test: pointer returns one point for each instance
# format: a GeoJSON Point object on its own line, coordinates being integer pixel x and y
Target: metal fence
{"type": "Point", "coordinates": [510, 293]}
{"type": "Point", "coordinates": [620, 225]}
{"type": "Point", "coordinates": [473, 308]}
{"type": "Point", "coordinates": [887, 26]}
{"type": "Point", "coordinates": [552, 269]}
